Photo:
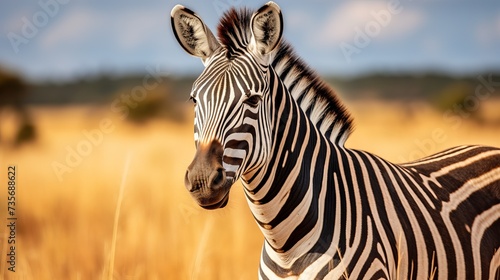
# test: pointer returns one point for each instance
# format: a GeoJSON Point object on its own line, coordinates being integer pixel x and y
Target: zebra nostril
{"type": "Point", "coordinates": [187, 183]}
{"type": "Point", "coordinates": [219, 177]}
{"type": "Point", "coordinates": [190, 185]}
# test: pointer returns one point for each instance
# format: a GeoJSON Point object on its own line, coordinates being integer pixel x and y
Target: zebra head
{"type": "Point", "coordinates": [231, 97]}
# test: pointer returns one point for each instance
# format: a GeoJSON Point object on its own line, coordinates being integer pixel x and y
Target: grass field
{"type": "Point", "coordinates": [68, 186]}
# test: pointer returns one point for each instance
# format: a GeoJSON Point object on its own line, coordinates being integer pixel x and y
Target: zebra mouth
{"type": "Point", "coordinates": [221, 204]}
{"type": "Point", "coordinates": [211, 198]}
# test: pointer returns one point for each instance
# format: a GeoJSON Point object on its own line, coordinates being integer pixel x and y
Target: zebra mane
{"type": "Point", "coordinates": [316, 98]}
{"type": "Point", "coordinates": [234, 30]}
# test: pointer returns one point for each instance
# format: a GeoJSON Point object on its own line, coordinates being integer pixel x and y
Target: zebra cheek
{"type": "Point", "coordinates": [232, 167]}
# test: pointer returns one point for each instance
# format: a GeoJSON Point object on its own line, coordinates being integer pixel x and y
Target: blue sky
{"type": "Point", "coordinates": [64, 39]}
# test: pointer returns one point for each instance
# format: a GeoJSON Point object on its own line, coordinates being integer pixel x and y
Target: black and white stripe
{"type": "Point", "coordinates": [328, 212]}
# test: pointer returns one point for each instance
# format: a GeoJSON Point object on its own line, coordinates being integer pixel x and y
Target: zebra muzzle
{"type": "Point", "coordinates": [206, 178]}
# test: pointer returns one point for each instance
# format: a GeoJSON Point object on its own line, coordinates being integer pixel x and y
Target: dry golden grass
{"type": "Point", "coordinates": [65, 228]}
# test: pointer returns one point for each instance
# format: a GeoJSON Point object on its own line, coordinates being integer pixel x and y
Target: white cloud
{"type": "Point", "coordinates": [134, 27]}
{"type": "Point", "coordinates": [75, 26]}
{"type": "Point", "coordinates": [14, 22]}
{"type": "Point", "coordinates": [297, 19]}
{"type": "Point", "coordinates": [488, 33]}
{"type": "Point", "coordinates": [126, 29]}
{"type": "Point", "coordinates": [343, 21]}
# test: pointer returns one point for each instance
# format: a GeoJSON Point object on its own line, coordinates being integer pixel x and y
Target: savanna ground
{"type": "Point", "coordinates": [65, 226]}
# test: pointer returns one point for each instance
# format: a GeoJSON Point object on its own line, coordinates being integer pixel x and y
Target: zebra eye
{"type": "Point", "coordinates": [192, 99]}
{"type": "Point", "coordinates": [253, 100]}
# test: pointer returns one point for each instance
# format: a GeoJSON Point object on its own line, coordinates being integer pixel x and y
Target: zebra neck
{"type": "Point", "coordinates": [287, 193]}
{"type": "Point", "coordinates": [316, 98]}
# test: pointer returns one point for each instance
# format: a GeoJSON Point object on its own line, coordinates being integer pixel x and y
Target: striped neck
{"type": "Point", "coordinates": [316, 98]}
{"type": "Point", "coordinates": [285, 194]}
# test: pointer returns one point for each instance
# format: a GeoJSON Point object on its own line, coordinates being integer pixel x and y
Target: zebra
{"type": "Point", "coordinates": [263, 117]}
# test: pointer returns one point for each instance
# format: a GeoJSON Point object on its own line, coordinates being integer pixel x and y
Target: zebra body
{"type": "Point", "coordinates": [327, 212]}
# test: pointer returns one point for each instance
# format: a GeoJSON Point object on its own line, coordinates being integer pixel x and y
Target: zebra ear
{"type": "Point", "coordinates": [192, 34]}
{"type": "Point", "coordinates": [267, 28]}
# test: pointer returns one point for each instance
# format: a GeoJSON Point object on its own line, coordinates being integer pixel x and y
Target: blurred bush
{"type": "Point", "coordinates": [12, 88]}
{"type": "Point", "coordinates": [26, 133]}
{"type": "Point", "coordinates": [452, 95]}
{"type": "Point", "coordinates": [459, 98]}
{"type": "Point", "coordinates": [13, 91]}
{"type": "Point", "coordinates": [157, 103]}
